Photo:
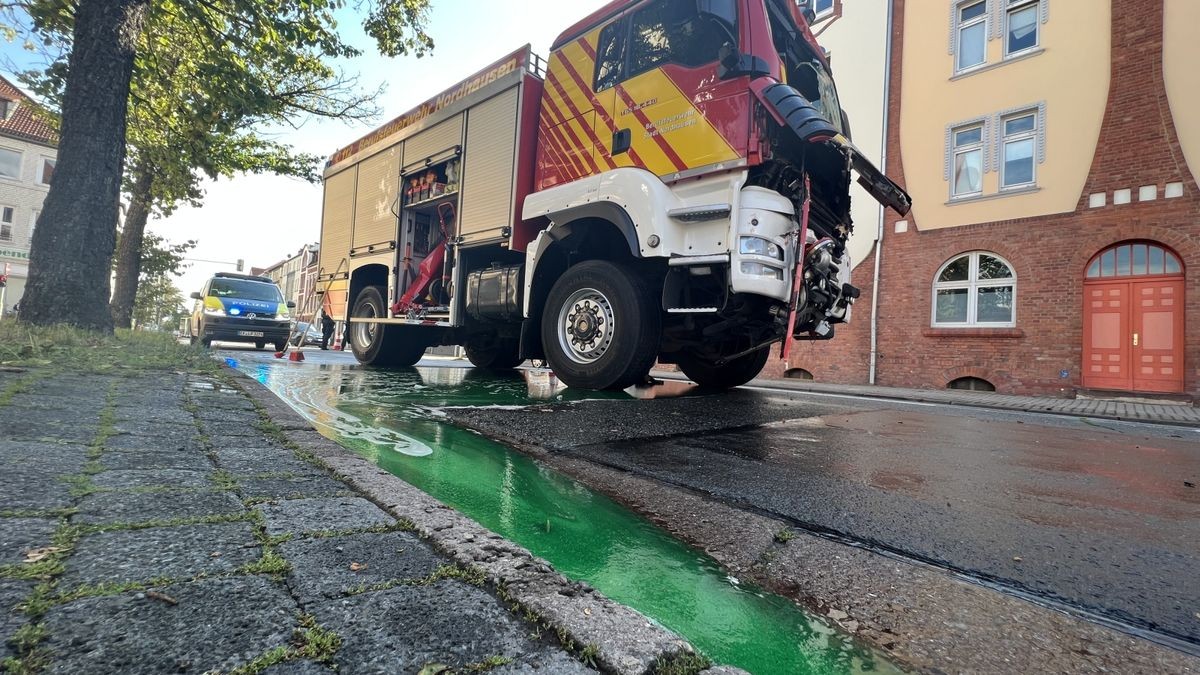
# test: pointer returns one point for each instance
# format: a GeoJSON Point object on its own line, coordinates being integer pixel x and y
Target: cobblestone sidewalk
{"type": "Point", "coordinates": [159, 524]}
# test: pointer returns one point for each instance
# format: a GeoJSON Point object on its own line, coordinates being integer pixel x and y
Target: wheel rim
{"type": "Point", "coordinates": [586, 326]}
{"type": "Point", "coordinates": [364, 333]}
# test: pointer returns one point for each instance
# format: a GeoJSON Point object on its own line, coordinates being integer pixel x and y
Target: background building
{"type": "Point", "coordinates": [27, 158]}
{"type": "Point", "coordinates": [1050, 148]}
{"type": "Point", "coordinates": [297, 278]}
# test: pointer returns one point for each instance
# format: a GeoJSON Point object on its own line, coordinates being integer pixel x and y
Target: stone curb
{"type": "Point", "coordinates": [628, 642]}
{"type": "Point", "coordinates": [1032, 405]}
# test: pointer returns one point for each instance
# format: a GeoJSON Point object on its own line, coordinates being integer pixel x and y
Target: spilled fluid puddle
{"type": "Point", "coordinates": [393, 418]}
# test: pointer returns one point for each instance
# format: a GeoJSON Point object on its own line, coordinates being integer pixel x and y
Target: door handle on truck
{"type": "Point", "coordinates": [622, 140]}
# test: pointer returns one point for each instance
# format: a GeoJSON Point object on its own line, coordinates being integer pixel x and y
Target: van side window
{"type": "Point", "coordinates": [668, 31]}
{"type": "Point", "coordinates": [610, 55]}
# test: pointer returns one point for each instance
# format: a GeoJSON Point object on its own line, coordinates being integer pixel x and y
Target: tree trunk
{"type": "Point", "coordinates": [71, 254]}
{"type": "Point", "coordinates": [129, 249]}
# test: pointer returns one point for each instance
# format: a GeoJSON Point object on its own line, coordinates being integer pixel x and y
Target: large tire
{"type": "Point", "coordinates": [382, 344]}
{"type": "Point", "coordinates": [601, 326]}
{"type": "Point", "coordinates": [735, 373]}
{"type": "Point", "coordinates": [496, 354]}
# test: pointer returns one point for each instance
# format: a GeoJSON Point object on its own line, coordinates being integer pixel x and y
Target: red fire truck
{"type": "Point", "coordinates": [671, 185]}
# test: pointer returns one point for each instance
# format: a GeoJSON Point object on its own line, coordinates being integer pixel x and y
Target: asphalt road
{"type": "Point", "coordinates": [1101, 516]}
{"type": "Point", "coordinates": [1097, 515]}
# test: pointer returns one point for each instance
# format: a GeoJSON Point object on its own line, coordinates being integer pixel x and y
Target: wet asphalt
{"type": "Point", "coordinates": [1100, 516]}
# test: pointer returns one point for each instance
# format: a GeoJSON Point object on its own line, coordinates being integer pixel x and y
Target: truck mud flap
{"type": "Point", "coordinates": [791, 110]}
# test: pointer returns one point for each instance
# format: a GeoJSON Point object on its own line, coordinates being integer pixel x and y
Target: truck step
{"type": "Point", "coordinates": [692, 310]}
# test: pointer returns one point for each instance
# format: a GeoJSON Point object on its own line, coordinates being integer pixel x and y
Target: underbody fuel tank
{"type": "Point", "coordinates": [792, 111]}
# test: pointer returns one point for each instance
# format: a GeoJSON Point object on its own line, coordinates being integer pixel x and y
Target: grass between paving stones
{"type": "Point", "coordinates": [21, 384]}
{"type": "Point", "coordinates": [125, 352]}
{"type": "Point", "coordinates": [309, 641]}
{"type": "Point", "coordinates": [470, 575]}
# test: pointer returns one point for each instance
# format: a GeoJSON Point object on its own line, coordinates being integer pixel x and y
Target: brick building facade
{"type": "Point", "coordinates": [1076, 318]}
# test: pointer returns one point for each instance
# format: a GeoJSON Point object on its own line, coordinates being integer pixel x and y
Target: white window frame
{"type": "Point", "coordinates": [41, 171]}
{"type": "Point", "coordinates": [955, 151]}
{"type": "Point", "coordinates": [1033, 134]}
{"type": "Point", "coordinates": [959, 26]}
{"type": "Point", "coordinates": [822, 13]}
{"type": "Point", "coordinates": [6, 226]}
{"type": "Point", "coordinates": [20, 164]}
{"type": "Point", "coordinates": [973, 284]}
{"type": "Point", "coordinates": [1012, 7]}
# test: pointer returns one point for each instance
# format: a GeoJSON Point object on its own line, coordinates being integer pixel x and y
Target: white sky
{"type": "Point", "coordinates": [264, 219]}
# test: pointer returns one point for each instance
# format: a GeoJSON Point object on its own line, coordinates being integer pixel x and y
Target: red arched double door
{"type": "Point", "coordinates": [1133, 319]}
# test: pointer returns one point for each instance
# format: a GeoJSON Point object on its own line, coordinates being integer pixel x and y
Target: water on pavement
{"type": "Point", "coordinates": [394, 419]}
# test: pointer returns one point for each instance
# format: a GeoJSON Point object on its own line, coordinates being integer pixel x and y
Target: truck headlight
{"type": "Point", "coordinates": [760, 246]}
{"type": "Point", "coordinates": [761, 270]}
{"type": "Point", "coordinates": [214, 311]}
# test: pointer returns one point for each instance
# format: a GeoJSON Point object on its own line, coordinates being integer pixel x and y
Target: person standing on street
{"type": "Point", "coordinates": [326, 328]}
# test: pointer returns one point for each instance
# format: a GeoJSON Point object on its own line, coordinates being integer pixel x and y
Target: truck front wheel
{"type": "Point", "coordinates": [734, 373]}
{"type": "Point", "coordinates": [601, 326]}
{"type": "Point", "coordinates": [378, 344]}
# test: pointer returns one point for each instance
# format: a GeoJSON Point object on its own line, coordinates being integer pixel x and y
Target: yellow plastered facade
{"type": "Point", "coordinates": [1068, 73]}
{"type": "Point", "coordinates": [1181, 72]}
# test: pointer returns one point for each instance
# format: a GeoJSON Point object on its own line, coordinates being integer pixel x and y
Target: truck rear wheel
{"type": "Point", "coordinates": [601, 326]}
{"type": "Point", "coordinates": [735, 373]}
{"type": "Point", "coordinates": [377, 344]}
{"type": "Point", "coordinates": [496, 354]}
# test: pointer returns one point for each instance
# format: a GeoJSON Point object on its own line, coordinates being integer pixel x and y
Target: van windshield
{"type": "Point", "coordinates": [244, 290]}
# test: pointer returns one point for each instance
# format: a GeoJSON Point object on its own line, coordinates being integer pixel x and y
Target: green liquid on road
{"type": "Point", "coordinates": [392, 419]}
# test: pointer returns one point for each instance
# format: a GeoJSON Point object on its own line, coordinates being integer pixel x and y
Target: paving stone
{"type": "Point", "coordinates": [131, 442]}
{"type": "Point", "coordinates": [179, 478]}
{"type": "Point", "coordinates": [292, 487]}
{"type": "Point", "coordinates": [53, 458]}
{"type": "Point", "coordinates": [321, 567]}
{"type": "Point", "coordinates": [87, 410]}
{"type": "Point", "coordinates": [252, 438]}
{"type": "Point", "coordinates": [32, 488]}
{"type": "Point", "coordinates": [21, 534]}
{"type": "Point", "coordinates": [406, 627]}
{"type": "Point", "coordinates": [121, 460]}
{"type": "Point", "coordinates": [141, 414]}
{"type": "Point", "coordinates": [272, 465]}
{"type": "Point", "coordinates": [180, 552]}
{"type": "Point", "coordinates": [39, 423]}
{"type": "Point", "coordinates": [234, 400]}
{"type": "Point", "coordinates": [217, 416]}
{"type": "Point", "coordinates": [216, 625]}
{"type": "Point", "coordinates": [156, 427]}
{"type": "Point", "coordinates": [133, 507]}
{"type": "Point", "coordinates": [297, 516]}
{"type": "Point", "coordinates": [252, 461]}
{"type": "Point", "coordinates": [550, 661]}
{"type": "Point", "coordinates": [12, 593]}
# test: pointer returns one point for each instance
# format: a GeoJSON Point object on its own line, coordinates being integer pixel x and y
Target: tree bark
{"type": "Point", "coordinates": [71, 254]}
{"type": "Point", "coordinates": [129, 248]}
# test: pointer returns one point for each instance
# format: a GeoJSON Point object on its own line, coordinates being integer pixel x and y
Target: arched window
{"type": "Point", "coordinates": [975, 289]}
{"type": "Point", "coordinates": [1133, 259]}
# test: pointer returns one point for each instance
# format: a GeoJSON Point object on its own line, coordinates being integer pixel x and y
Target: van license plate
{"type": "Point", "coordinates": [250, 333]}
